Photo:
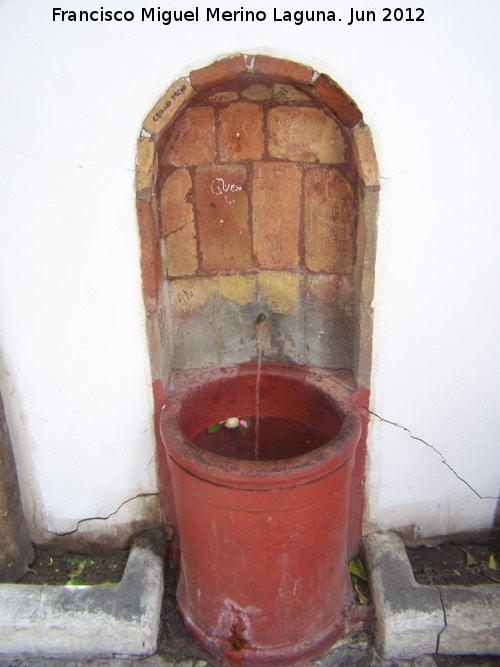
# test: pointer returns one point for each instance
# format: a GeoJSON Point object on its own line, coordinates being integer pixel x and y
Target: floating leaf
{"type": "Point", "coordinates": [356, 568]}
{"type": "Point", "coordinates": [215, 427]}
{"type": "Point", "coordinates": [469, 558]}
{"type": "Point", "coordinates": [492, 564]}
{"type": "Point", "coordinates": [361, 596]}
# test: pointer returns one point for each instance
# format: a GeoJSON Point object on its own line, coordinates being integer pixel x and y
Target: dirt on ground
{"type": "Point", "coordinates": [465, 563]}
{"type": "Point", "coordinates": [55, 568]}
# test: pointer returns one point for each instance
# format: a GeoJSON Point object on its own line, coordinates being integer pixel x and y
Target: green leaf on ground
{"type": "Point", "coordinates": [75, 582]}
{"type": "Point", "coordinates": [361, 596]}
{"type": "Point", "coordinates": [356, 568]}
{"type": "Point", "coordinates": [80, 561]}
{"type": "Point", "coordinates": [76, 572]}
{"type": "Point", "coordinates": [492, 564]}
{"type": "Point", "coordinates": [469, 558]}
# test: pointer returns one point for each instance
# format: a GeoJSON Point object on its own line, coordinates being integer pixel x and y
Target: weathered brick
{"type": "Point", "coordinates": [329, 320]}
{"type": "Point", "coordinates": [282, 70]}
{"type": "Point", "coordinates": [276, 192]}
{"type": "Point", "coordinates": [240, 288]}
{"type": "Point", "coordinates": [177, 224]}
{"type": "Point", "coordinates": [146, 168]}
{"type": "Point", "coordinates": [305, 134]}
{"type": "Point", "coordinates": [222, 216]}
{"type": "Point", "coordinates": [241, 132]}
{"type": "Point", "coordinates": [330, 216]}
{"type": "Point", "coordinates": [222, 97]}
{"type": "Point", "coordinates": [367, 161]}
{"type": "Point", "coordinates": [181, 251]}
{"type": "Point", "coordinates": [167, 109]}
{"type": "Point", "coordinates": [218, 72]}
{"type": "Point", "coordinates": [280, 291]}
{"type": "Point", "coordinates": [257, 91]}
{"type": "Point", "coordinates": [176, 209]}
{"type": "Point", "coordinates": [337, 100]}
{"type": "Point", "coordinates": [191, 295]}
{"type": "Point", "coordinates": [331, 289]}
{"type": "Point", "coordinates": [228, 91]}
{"type": "Point", "coordinates": [150, 254]}
{"type": "Point", "coordinates": [191, 139]}
{"type": "Point", "coordinates": [286, 93]}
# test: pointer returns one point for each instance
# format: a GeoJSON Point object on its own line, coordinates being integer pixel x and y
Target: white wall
{"type": "Point", "coordinates": [75, 372]}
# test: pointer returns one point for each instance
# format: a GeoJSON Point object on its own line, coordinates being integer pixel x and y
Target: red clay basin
{"type": "Point", "coordinates": [263, 569]}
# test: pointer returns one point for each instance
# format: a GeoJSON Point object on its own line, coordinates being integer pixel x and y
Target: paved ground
{"type": "Point", "coordinates": [177, 649]}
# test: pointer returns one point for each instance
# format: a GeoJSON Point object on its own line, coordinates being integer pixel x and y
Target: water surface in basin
{"type": "Point", "coordinates": [279, 438]}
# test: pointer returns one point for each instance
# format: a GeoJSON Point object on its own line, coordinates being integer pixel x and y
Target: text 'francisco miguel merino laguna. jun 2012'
{"type": "Point", "coordinates": [215, 14]}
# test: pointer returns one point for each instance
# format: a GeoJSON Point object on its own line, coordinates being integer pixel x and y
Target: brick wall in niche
{"type": "Point", "coordinates": [257, 192]}
{"type": "Point", "coordinates": [299, 241]}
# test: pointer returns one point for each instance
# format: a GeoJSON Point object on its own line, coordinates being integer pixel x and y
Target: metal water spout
{"type": "Point", "coordinates": [262, 333]}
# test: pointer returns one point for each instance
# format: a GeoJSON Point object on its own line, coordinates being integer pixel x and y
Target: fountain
{"type": "Point", "coordinates": [256, 196]}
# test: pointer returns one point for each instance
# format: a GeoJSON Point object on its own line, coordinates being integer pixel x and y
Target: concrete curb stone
{"type": "Point", "coordinates": [414, 620]}
{"type": "Point", "coordinates": [87, 621]}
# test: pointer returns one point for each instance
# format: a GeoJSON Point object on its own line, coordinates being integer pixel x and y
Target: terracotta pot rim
{"type": "Point", "coordinates": [261, 475]}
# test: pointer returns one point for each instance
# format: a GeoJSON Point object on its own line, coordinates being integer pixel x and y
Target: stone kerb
{"type": "Point", "coordinates": [88, 621]}
{"type": "Point", "coordinates": [415, 620]}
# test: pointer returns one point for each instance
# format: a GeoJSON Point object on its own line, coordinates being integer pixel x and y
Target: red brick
{"type": "Point", "coordinates": [258, 91]}
{"type": "Point", "coordinates": [222, 217]}
{"type": "Point", "coordinates": [192, 139]}
{"type": "Point", "coordinates": [241, 132]}
{"type": "Point", "coordinates": [181, 250]}
{"type": "Point", "coordinates": [282, 70]}
{"type": "Point", "coordinates": [218, 72]}
{"type": "Point", "coordinates": [168, 107]}
{"type": "Point", "coordinates": [338, 101]}
{"type": "Point", "coordinates": [304, 134]}
{"type": "Point", "coordinates": [150, 254]}
{"type": "Point", "coordinates": [330, 217]}
{"type": "Point", "coordinates": [177, 224]}
{"type": "Point", "coordinates": [176, 210]}
{"type": "Point", "coordinates": [276, 191]}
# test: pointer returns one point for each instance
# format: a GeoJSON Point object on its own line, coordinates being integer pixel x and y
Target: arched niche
{"type": "Point", "coordinates": [257, 191]}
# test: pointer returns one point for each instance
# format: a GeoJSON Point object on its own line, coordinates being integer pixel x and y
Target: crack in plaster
{"type": "Point", "coordinates": [102, 518]}
{"type": "Point", "coordinates": [427, 444]}
{"type": "Point", "coordinates": [445, 619]}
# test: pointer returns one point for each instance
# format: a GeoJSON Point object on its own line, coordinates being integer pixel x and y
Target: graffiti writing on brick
{"type": "Point", "coordinates": [219, 187]}
{"type": "Point", "coordinates": [168, 103]}
{"type": "Point", "coordinates": [185, 296]}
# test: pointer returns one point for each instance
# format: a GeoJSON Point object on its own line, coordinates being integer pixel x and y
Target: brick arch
{"type": "Point", "coordinates": [325, 93]}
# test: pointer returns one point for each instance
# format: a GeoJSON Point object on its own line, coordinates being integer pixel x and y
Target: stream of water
{"type": "Point", "coordinates": [257, 396]}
